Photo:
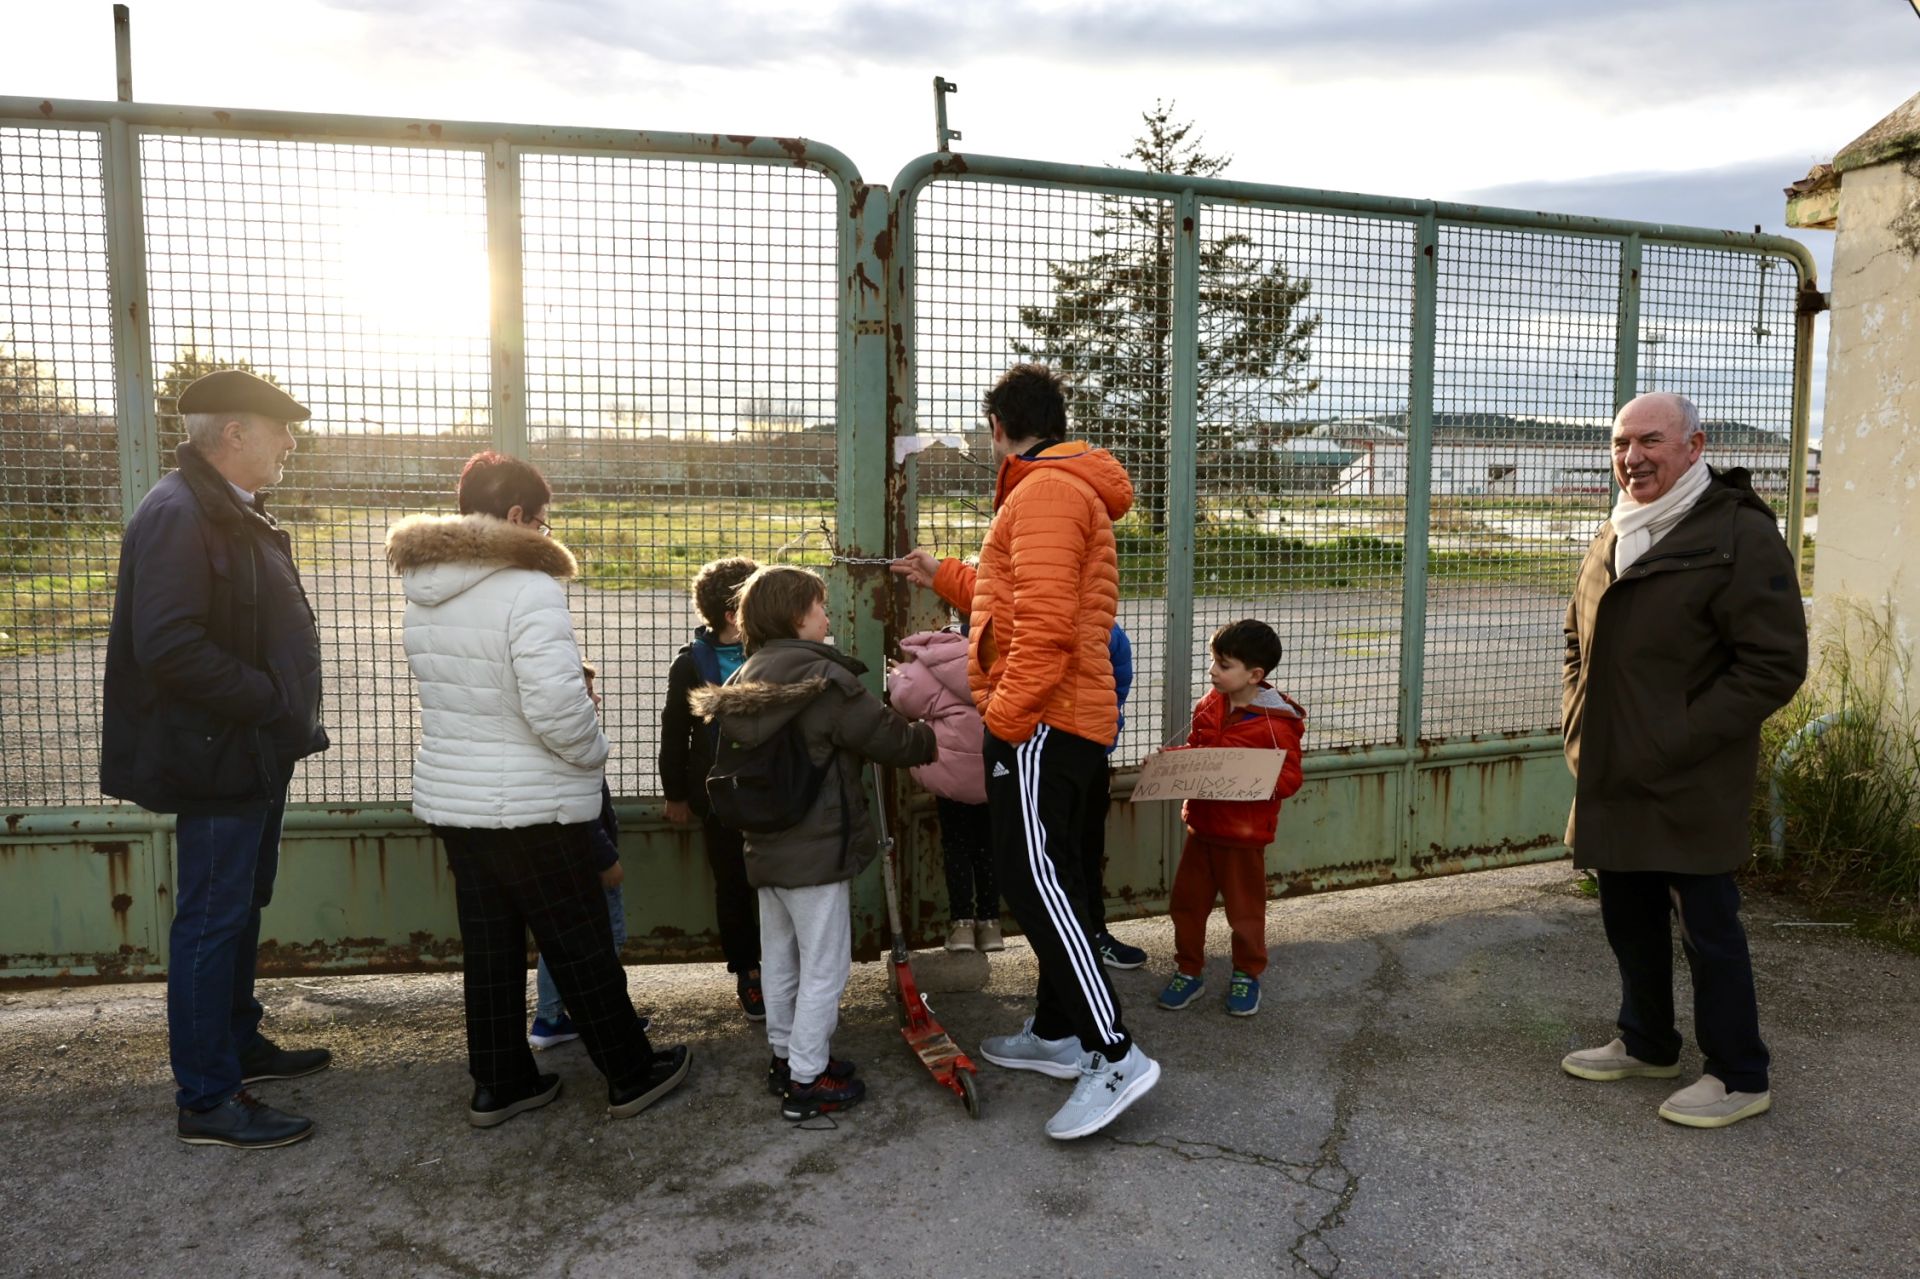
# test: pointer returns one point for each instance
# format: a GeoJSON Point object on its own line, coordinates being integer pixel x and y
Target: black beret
{"type": "Point", "coordinates": [237, 391]}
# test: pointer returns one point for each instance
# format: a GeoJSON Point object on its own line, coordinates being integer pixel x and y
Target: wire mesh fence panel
{"type": "Point", "coordinates": [1523, 393]}
{"type": "Point", "coordinates": [59, 463]}
{"type": "Point", "coordinates": [356, 277]}
{"type": "Point", "coordinates": [1718, 327]}
{"type": "Point", "coordinates": [1080, 280]}
{"type": "Point", "coordinates": [681, 355]}
{"type": "Point", "coordinates": [1305, 337]}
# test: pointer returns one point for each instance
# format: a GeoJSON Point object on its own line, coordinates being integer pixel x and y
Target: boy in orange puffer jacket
{"type": "Point", "coordinates": [1225, 852]}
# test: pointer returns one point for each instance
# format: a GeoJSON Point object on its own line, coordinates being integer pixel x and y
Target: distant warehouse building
{"type": "Point", "coordinates": [1494, 455]}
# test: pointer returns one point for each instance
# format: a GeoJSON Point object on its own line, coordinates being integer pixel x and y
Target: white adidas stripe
{"type": "Point", "coordinates": [1052, 894]}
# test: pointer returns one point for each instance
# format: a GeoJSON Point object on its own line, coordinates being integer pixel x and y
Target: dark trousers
{"type": "Point", "coordinates": [1636, 907]}
{"type": "Point", "coordinates": [1037, 797]}
{"type": "Point", "coordinates": [224, 869]}
{"type": "Point", "coordinates": [1093, 851]}
{"type": "Point", "coordinates": [966, 853]}
{"type": "Point", "coordinates": [736, 905]}
{"type": "Point", "coordinates": [543, 878]}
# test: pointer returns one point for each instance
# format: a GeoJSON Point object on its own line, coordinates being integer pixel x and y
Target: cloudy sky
{"type": "Point", "coordinates": [1696, 107]}
{"type": "Point", "coordinates": [1687, 111]}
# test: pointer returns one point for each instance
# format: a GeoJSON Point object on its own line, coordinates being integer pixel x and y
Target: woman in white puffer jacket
{"type": "Point", "coordinates": [509, 774]}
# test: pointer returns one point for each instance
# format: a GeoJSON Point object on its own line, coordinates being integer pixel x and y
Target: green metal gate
{"type": "Point", "coordinates": [714, 345]}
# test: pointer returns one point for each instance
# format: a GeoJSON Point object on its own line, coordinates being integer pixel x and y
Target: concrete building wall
{"type": "Point", "coordinates": [1868, 547]}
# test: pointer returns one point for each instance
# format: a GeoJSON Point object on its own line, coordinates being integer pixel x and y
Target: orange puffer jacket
{"type": "Point", "coordinates": [1273, 721]}
{"type": "Point", "coordinates": [1042, 601]}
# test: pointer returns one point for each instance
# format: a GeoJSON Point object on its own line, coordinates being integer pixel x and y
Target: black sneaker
{"type": "Point", "coordinates": [1115, 953]}
{"type": "Point", "coordinates": [804, 1101]}
{"type": "Point", "coordinates": [489, 1108]}
{"type": "Point", "coordinates": [752, 1002]}
{"type": "Point", "coordinates": [243, 1122]}
{"type": "Point", "coordinates": [668, 1072]}
{"type": "Point", "coordinates": [267, 1060]}
{"type": "Point", "coordinates": [778, 1073]}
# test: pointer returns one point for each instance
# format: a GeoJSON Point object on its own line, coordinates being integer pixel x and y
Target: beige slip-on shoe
{"type": "Point", "coordinates": [1612, 1062]}
{"type": "Point", "coordinates": [1706, 1103]}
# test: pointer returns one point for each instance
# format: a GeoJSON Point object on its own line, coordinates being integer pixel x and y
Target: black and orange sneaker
{"type": "Point", "coordinates": [825, 1094]}
{"type": "Point", "coordinates": [752, 1002]}
{"type": "Point", "coordinates": [778, 1073]}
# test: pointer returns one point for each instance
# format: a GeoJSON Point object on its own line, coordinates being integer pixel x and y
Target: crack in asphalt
{"type": "Point", "coordinates": [1356, 1056]}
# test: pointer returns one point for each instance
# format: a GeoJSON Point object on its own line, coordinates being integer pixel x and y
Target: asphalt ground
{"type": "Point", "coordinates": [1396, 1109]}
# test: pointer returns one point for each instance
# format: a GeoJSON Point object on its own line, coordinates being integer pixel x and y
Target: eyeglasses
{"type": "Point", "coordinates": [546, 529]}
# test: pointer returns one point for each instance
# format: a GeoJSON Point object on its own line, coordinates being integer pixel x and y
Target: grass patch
{"type": "Point", "coordinates": [627, 546]}
{"type": "Point", "coordinates": [1843, 759]}
{"type": "Point", "coordinates": [1239, 558]}
{"type": "Point", "coordinates": [56, 584]}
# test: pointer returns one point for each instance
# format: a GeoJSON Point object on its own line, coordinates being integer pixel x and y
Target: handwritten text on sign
{"type": "Point", "coordinates": [1209, 772]}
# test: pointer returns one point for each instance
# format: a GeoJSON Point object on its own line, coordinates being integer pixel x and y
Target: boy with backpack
{"type": "Point", "coordinates": [686, 753]}
{"type": "Point", "coordinates": [1225, 852]}
{"type": "Point", "coordinates": [795, 727]}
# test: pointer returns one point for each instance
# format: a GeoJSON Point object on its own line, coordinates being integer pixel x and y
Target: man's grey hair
{"type": "Point", "coordinates": [204, 429]}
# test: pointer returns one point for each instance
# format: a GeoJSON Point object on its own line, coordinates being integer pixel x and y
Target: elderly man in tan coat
{"type": "Point", "coordinates": [1685, 632]}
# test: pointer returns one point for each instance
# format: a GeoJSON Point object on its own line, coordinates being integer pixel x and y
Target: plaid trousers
{"type": "Point", "coordinates": [538, 877]}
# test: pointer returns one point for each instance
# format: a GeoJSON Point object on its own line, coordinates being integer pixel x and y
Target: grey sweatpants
{"type": "Point", "coordinates": [806, 952]}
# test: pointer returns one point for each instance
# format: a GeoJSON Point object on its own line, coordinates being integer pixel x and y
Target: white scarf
{"type": "Point", "coordinates": [1637, 526]}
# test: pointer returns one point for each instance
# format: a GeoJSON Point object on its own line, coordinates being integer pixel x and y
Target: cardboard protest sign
{"type": "Point", "coordinates": [1209, 772]}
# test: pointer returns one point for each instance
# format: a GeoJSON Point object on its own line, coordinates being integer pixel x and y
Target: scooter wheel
{"type": "Point", "coordinates": [969, 1092]}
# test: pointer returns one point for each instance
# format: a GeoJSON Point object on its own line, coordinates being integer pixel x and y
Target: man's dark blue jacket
{"type": "Point", "coordinates": [213, 660]}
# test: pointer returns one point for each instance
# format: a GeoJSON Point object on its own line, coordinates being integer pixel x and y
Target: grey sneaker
{"type": "Point", "coordinates": [1612, 1062]}
{"type": "Point", "coordinates": [986, 932]}
{"type": "Point", "coordinates": [1105, 1089]}
{"type": "Point", "coordinates": [1706, 1103]}
{"type": "Point", "coordinates": [1024, 1050]}
{"type": "Point", "coordinates": [960, 937]}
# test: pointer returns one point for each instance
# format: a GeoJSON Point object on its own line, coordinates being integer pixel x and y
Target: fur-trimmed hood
{"type": "Point", "coordinates": [757, 698]}
{"type": "Point", "coordinates": [441, 556]}
{"type": "Point", "coordinates": [781, 678]}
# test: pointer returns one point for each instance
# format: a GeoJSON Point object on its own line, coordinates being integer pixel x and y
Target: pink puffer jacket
{"type": "Point", "coordinates": [930, 683]}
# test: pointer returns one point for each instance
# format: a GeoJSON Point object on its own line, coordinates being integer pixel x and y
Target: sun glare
{"type": "Point", "coordinates": [412, 271]}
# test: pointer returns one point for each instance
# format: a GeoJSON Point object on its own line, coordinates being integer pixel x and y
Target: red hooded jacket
{"type": "Point", "coordinates": [1272, 721]}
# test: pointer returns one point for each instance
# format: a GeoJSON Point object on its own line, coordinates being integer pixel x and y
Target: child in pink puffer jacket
{"type": "Point", "coordinates": [930, 683]}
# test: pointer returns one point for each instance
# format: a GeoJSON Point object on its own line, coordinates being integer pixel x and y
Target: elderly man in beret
{"type": "Point", "coordinates": [1685, 633]}
{"type": "Point", "coordinates": [212, 696]}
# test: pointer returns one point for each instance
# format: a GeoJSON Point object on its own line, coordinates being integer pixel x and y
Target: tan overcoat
{"type": "Point", "coordinates": [1670, 672]}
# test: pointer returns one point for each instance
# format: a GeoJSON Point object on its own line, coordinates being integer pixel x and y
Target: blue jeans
{"type": "Point", "coordinates": [223, 877]}
{"type": "Point", "coordinates": [550, 1009]}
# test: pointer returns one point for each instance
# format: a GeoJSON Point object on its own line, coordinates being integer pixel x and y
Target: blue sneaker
{"type": "Point", "coordinates": [1243, 995]}
{"type": "Point", "coordinates": [551, 1034]}
{"type": "Point", "coordinates": [1181, 991]}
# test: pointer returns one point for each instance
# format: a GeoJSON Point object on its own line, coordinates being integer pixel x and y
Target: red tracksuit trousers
{"type": "Point", "coordinates": [1234, 872]}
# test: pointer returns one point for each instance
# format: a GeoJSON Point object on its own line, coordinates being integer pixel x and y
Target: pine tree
{"type": "Point", "coordinates": [1109, 331]}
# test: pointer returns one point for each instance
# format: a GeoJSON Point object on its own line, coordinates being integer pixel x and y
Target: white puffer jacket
{"type": "Point", "coordinates": [508, 734]}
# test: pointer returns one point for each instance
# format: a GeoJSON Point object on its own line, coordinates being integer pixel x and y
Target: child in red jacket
{"type": "Point", "coordinates": [1225, 852]}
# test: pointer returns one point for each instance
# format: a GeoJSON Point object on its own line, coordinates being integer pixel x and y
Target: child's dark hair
{"type": "Point", "coordinates": [1030, 401]}
{"type": "Point", "coordinates": [1250, 643]}
{"type": "Point", "coordinates": [493, 484]}
{"type": "Point", "coordinates": [716, 587]}
{"type": "Point", "coordinates": [774, 599]}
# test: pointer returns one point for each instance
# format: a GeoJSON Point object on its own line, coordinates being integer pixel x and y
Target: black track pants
{"type": "Point", "coordinates": [1037, 793]}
